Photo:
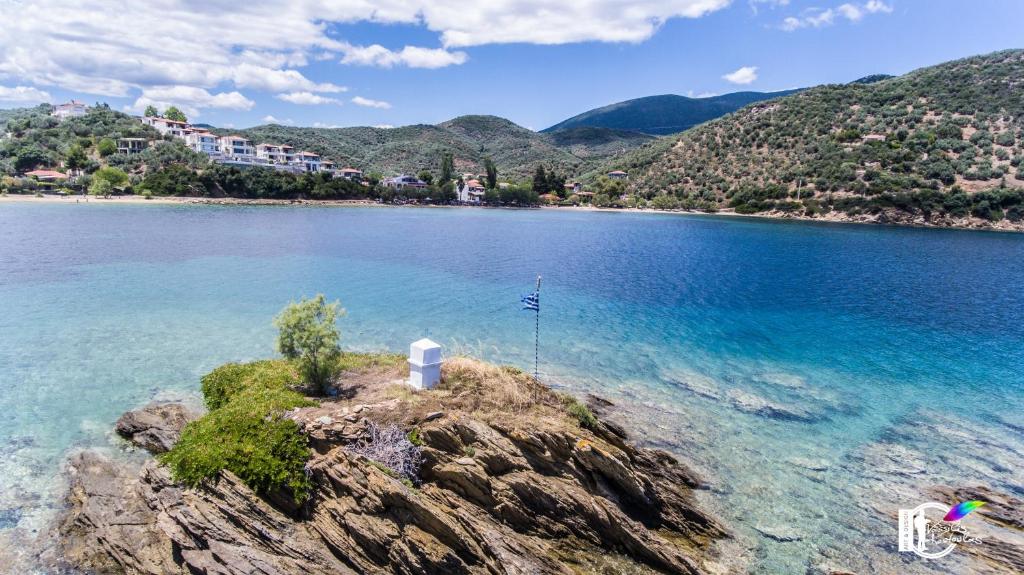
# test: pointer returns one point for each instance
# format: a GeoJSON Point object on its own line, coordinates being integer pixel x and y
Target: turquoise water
{"type": "Point", "coordinates": [803, 368]}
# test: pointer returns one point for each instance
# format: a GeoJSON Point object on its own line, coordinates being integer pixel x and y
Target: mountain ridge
{"type": "Point", "coordinates": [663, 114]}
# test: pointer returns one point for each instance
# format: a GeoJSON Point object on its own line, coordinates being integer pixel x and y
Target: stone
{"type": "Point", "coordinates": [433, 415]}
{"type": "Point", "coordinates": [155, 427]}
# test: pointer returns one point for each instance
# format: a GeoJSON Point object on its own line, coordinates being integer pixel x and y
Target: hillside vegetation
{"type": "Point", "coordinates": [940, 142]}
{"type": "Point", "coordinates": [515, 150]}
{"type": "Point", "coordinates": [666, 114]}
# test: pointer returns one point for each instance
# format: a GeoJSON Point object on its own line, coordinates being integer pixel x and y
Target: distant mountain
{"type": "Point", "coordinates": [667, 114]}
{"type": "Point", "coordinates": [517, 151]}
{"type": "Point", "coordinates": [940, 142]}
{"type": "Point", "coordinates": [872, 79]}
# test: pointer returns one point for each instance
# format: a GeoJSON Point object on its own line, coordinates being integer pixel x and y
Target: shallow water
{"type": "Point", "coordinates": [787, 360]}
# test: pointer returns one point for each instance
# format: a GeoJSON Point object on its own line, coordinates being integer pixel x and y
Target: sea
{"type": "Point", "coordinates": [818, 376]}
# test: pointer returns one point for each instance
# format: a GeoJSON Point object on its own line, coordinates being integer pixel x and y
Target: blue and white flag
{"type": "Point", "coordinates": [531, 302]}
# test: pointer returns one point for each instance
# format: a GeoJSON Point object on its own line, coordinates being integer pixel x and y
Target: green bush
{"type": "Point", "coordinates": [248, 436]}
{"type": "Point", "coordinates": [581, 412]}
{"type": "Point", "coordinates": [221, 384]}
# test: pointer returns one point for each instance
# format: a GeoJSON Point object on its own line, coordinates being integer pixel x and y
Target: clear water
{"type": "Point", "coordinates": [803, 368]}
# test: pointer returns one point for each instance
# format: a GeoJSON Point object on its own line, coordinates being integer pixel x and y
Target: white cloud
{"type": "Point", "coordinates": [850, 12]}
{"type": "Point", "coordinates": [411, 56]}
{"type": "Point", "coordinates": [323, 125]}
{"type": "Point", "coordinates": [307, 98]}
{"type": "Point", "coordinates": [23, 95]}
{"type": "Point", "coordinates": [368, 103]}
{"type": "Point", "coordinates": [745, 75]}
{"type": "Point", "coordinates": [384, 126]}
{"type": "Point", "coordinates": [820, 18]}
{"type": "Point", "coordinates": [113, 48]}
{"type": "Point", "coordinates": [875, 6]}
{"type": "Point", "coordinates": [272, 120]}
{"type": "Point", "coordinates": [189, 99]}
{"type": "Point", "coordinates": [692, 94]}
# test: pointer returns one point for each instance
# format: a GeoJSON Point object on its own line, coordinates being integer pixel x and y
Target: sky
{"type": "Point", "coordinates": [341, 63]}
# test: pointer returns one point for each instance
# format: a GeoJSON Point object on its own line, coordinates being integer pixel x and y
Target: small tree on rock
{"type": "Point", "coordinates": [308, 333]}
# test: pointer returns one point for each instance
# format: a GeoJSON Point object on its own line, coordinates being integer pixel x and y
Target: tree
{"type": "Point", "coordinates": [307, 332]}
{"type": "Point", "coordinates": [426, 176]}
{"type": "Point", "coordinates": [492, 173]}
{"type": "Point", "coordinates": [106, 147]}
{"type": "Point", "coordinates": [556, 184]}
{"type": "Point", "coordinates": [76, 158]}
{"type": "Point", "coordinates": [447, 168]}
{"type": "Point", "coordinates": [173, 113]}
{"type": "Point", "coordinates": [151, 112]}
{"type": "Point", "coordinates": [107, 180]}
{"type": "Point", "coordinates": [29, 158]}
{"type": "Point", "coordinates": [540, 181]}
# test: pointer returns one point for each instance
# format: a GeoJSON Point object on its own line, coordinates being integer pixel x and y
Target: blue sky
{"type": "Point", "coordinates": [388, 62]}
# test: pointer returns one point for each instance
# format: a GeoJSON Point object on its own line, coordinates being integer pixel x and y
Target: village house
{"type": "Point", "coordinates": [617, 175]}
{"type": "Point", "coordinates": [350, 174]}
{"type": "Point", "coordinates": [46, 175]}
{"type": "Point", "coordinates": [236, 147]}
{"type": "Point", "coordinates": [472, 191]}
{"type": "Point", "coordinates": [131, 145]}
{"type": "Point", "coordinates": [276, 154]}
{"type": "Point", "coordinates": [167, 127]}
{"type": "Point", "coordinates": [403, 181]}
{"type": "Point", "coordinates": [203, 142]}
{"type": "Point", "coordinates": [308, 160]}
{"type": "Point", "coordinates": [573, 188]}
{"type": "Point", "coordinates": [72, 109]}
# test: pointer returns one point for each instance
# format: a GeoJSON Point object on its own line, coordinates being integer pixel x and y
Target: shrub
{"type": "Point", "coordinates": [221, 384]}
{"type": "Point", "coordinates": [308, 333]}
{"type": "Point", "coordinates": [581, 412]}
{"type": "Point", "coordinates": [249, 436]}
{"type": "Point", "coordinates": [106, 147]}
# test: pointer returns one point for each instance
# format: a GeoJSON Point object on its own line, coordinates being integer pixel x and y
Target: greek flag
{"type": "Point", "coordinates": [531, 302]}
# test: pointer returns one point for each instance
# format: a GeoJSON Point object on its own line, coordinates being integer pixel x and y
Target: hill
{"type": "Point", "coordinates": [516, 150]}
{"type": "Point", "coordinates": [667, 114]}
{"type": "Point", "coordinates": [937, 143]}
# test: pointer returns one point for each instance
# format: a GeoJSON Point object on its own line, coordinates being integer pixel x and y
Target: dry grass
{"type": "Point", "coordinates": [486, 387]}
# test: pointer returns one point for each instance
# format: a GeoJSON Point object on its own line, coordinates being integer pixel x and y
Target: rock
{"type": "Point", "coordinates": [539, 496]}
{"type": "Point", "coordinates": [433, 415]}
{"type": "Point", "coordinates": [778, 533]}
{"type": "Point", "coordinates": [108, 525]}
{"type": "Point", "coordinates": [155, 427]}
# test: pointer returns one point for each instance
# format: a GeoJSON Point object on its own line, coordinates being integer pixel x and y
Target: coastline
{"type": "Point", "coordinates": [888, 218]}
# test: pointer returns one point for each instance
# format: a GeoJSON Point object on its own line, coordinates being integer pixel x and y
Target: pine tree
{"type": "Point", "coordinates": [447, 168]}
{"type": "Point", "coordinates": [151, 111]}
{"type": "Point", "coordinates": [540, 181]}
{"type": "Point", "coordinates": [492, 173]}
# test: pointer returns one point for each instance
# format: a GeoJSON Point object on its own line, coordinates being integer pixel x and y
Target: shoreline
{"type": "Point", "coordinates": [886, 218]}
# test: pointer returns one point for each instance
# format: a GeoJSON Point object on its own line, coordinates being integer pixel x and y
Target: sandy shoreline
{"type": "Point", "coordinates": [903, 220]}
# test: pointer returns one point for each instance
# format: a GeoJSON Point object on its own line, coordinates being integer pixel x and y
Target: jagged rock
{"type": "Point", "coordinates": [538, 495]}
{"type": "Point", "coordinates": [155, 427]}
{"type": "Point", "coordinates": [433, 415]}
{"type": "Point", "coordinates": [108, 526]}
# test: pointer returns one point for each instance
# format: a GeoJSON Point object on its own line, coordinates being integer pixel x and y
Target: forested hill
{"type": "Point", "coordinates": [937, 142]}
{"type": "Point", "coordinates": [666, 114]}
{"type": "Point", "coordinates": [515, 150]}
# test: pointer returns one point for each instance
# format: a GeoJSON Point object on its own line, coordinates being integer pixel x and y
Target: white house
{"type": "Point", "coordinates": [472, 191]}
{"type": "Point", "coordinates": [237, 147]}
{"type": "Point", "coordinates": [72, 109]}
{"type": "Point", "coordinates": [351, 174]}
{"type": "Point", "coordinates": [309, 161]}
{"type": "Point", "coordinates": [276, 154]}
{"type": "Point", "coordinates": [203, 142]}
{"type": "Point", "coordinates": [618, 175]}
{"type": "Point", "coordinates": [399, 182]}
{"type": "Point", "coordinates": [167, 127]}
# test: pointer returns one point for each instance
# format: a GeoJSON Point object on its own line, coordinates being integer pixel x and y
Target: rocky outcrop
{"type": "Point", "coordinates": [155, 427]}
{"type": "Point", "coordinates": [497, 493]}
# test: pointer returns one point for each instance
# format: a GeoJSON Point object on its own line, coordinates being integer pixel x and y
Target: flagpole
{"type": "Point", "coordinates": [536, 338]}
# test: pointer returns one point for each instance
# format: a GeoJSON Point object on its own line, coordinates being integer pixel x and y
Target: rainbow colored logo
{"type": "Point", "coordinates": [960, 510]}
